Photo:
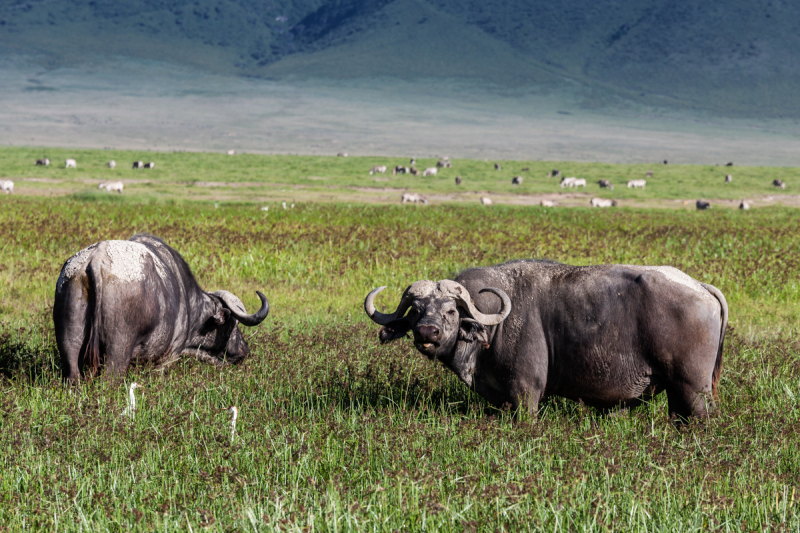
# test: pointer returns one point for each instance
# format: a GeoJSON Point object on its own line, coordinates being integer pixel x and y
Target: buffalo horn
{"type": "Point", "coordinates": [237, 308]}
{"type": "Point", "coordinates": [487, 320]}
{"type": "Point", "coordinates": [381, 318]}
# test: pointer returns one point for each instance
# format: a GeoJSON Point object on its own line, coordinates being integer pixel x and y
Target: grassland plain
{"type": "Point", "coordinates": [270, 178]}
{"type": "Point", "coordinates": [339, 433]}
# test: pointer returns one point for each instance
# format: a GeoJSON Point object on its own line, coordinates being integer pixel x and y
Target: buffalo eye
{"type": "Point", "coordinates": [451, 312]}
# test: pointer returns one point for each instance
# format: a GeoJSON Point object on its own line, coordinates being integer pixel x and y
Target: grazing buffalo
{"type": "Point", "coordinates": [458, 180]}
{"type": "Point", "coordinates": [138, 164]}
{"type": "Point", "coordinates": [399, 169]}
{"type": "Point", "coordinates": [729, 164]}
{"type": "Point", "coordinates": [637, 184]}
{"type": "Point", "coordinates": [602, 202]}
{"type": "Point", "coordinates": [413, 198]}
{"type": "Point", "coordinates": [112, 164]}
{"type": "Point", "coordinates": [526, 169]}
{"type": "Point", "coordinates": [497, 166]}
{"type": "Point", "coordinates": [744, 205]}
{"type": "Point", "coordinates": [150, 165]}
{"type": "Point", "coordinates": [728, 178]}
{"type": "Point", "coordinates": [648, 174]}
{"type": "Point", "coordinates": [413, 171]}
{"type": "Point", "coordinates": [430, 171]}
{"type": "Point", "coordinates": [112, 186]}
{"type": "Point", "coordinates": [136, 301]}
{"type": "Point", "coordinates": [702, 205]}
{"type": "Point", "coordinates": [70, 163]}
{"type": "Point", "coordinates": [412, 162]}
{"type": "Point", "coordinates": [444, 163]}
{"type": "Point", "coordinates": [43, 162]}
{"type": "Point", "coordinates": [547, 203]}
{"type": "Point", "coordinates": [609, 335]}
{"type": "Point", "coordinates": [341, 154]}
{"type": "Point", "coordinates": [555, 173]}
{"type": "Point", "coordinates": [778, 183]}
{"type": "Point", "coordinates": [605, 184]}
{"type": "Point", "coordinates": [516, 180]}
{"type": "Point", "coordinates": [486, 200]}
{"type": "Point", "coordinates": [7, 186]}
{"type": "Point", "coordinates": [665, 161]}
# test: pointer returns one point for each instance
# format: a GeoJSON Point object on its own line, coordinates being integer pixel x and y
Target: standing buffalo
{"type": "Point", "coordinates": [607, 335]}
{"type": "Point", "coordinates": [516, 180]}
{"type": "Point", "coordinates": [778, 183]}
{"type": "Point", "coordinates": [458, 180]}
{"type": "Point", "coordinates": [702, 204]}
{"type": "Point", "coordinates": [43, 162]}
{"type": "Point", "coordinates": [605, 184]}
{"type": "Point", "coordinates": [136, 301]}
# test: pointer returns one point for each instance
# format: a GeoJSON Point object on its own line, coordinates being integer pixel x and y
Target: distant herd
{"type": "Point", "coordinates": [7, 186]}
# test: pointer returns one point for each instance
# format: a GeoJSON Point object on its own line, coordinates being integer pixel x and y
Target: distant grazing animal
{"type": "Point", "coordinates": [381, 169]}
{"type": "Point", "coordinates": [412, 162]}
{"type": "Point", "coordinates": [744, 205]}
{"type": "Point", "coordinates": [637, 184]}
{"type": "Point", "coordinates": [399, 169]}
{"type": "Point", "coordinates": [605, 335]}
{"type": "Point", "coordinates": [526, 169]}
{"type": "Point", "coordinates": [547, 203]}
{"type": "Point", "coordinates": [573, 182]}
{"type": "Point", "coordinates": [43, 162]}
{"type": "Point", "coordinates": [70, 163]}
{"type": "Point", "coordinates": [150, 165]}
{"type": "Point", "coordinates": [665, 161]}
{"type": "Point", "coordinates": [602, 202]}
{"type": "Point", "coordinates": [137, 301]}
{"type": "Point", "coordinates": [497, 166]}
{"type": "Point", "coordinates": [778, 183]}
{"type": "Point", "coordinates": [605, 184]}
{"type": "Point", "coordinates": [702, 204]}
{"type": "Point", "coordinates": [112, 164]}
{"type": "Point", "coordinates": [341, 154]}
{"type": "Point", "coordinates": [430, 171]}
{"type": "Point", "coordinates": [7, 186]}
{"type": "Point", "coordinates": [443, 163]}
{"type": "Point", "coordinates": [648, 174]}
{"type": "Point", "coordinates": [413, 171]}
{"type": "Point", "coordinates": [458, 180]}
{"type": "Point", "coordinates": [555, 173]}
{"type": "Point", "coordinates": [112, 186]}
{"type": "Point", "coordinates": [138, 164]}
{"type": "Point", "coordinates": [486, 201]}
{"type": "Point", "coordinates": [413, 198]}
{"type": "Point", "coordinates": [729, 164]}
{"type": "Point", "coordinates": [728, 178]}
{"type": "Point", "coordinates": [231, 152]}
{"type": "Point", "coordinates": [516, 180]}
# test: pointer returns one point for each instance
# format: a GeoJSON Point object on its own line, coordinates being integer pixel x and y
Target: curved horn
{"type": "Point", "coordinates": [486, 320]}
{"type": "Point", "coordinates": [237, 308]}
{"type": "Point", "coordinates": [381, 318]}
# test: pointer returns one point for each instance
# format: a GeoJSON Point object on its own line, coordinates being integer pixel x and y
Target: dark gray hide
{"type": "Point", "coordinates": [606, 335]}
{"type": "Point", "coordinates": [135, 301]}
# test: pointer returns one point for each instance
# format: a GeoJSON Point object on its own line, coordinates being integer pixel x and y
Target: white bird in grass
{"type": "Point", "coordinates": [234, 411]}
{"type": "Point", "coordinates": [130, 411]}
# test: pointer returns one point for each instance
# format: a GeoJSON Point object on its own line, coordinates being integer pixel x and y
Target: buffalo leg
{"type": "Point", "coordinates": [685, 402]}
{"type": "Point", "coordinates": [72, 328]}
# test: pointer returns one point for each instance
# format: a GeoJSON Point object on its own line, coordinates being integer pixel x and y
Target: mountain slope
{"type": "Point", "coordinates": [738, 57]}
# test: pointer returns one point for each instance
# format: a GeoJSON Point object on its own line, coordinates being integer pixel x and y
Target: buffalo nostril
{"type": "Point", "coordinates": [429, 333]}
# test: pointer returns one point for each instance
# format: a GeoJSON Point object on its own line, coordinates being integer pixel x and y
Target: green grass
{"type": "Point", "coordinates": [339, 433]}
{"type": "Point", "coordinates": [251, 177]}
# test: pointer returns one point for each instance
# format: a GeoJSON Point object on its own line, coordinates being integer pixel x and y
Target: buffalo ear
{"type": "Point", "coordinates": [395, 329]}
{"type": "Point", "coordinates": [221, 316]}
{"type": "Point", "coordinates": [472, 331]}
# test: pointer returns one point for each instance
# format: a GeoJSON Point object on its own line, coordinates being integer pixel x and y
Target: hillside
{"type": "Point", "coordinates": [736, 58]}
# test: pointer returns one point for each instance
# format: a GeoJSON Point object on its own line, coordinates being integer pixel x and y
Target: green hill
{"type": "Point", "coordinates": [735, 58]}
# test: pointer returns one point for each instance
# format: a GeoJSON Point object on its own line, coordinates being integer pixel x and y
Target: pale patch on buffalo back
{"type": "Point", "coordinates": [676, 276]}
{"type": "Point", "coordinates": [127, 260]}
{"type": "Point", "coordinates": [73, 265]}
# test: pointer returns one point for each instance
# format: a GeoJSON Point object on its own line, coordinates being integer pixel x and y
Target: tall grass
{"type": "Point", "coordinates": [339, 433]}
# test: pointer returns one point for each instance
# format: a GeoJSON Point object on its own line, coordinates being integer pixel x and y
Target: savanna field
{"type": "Point", "coordinates": [337, 432]}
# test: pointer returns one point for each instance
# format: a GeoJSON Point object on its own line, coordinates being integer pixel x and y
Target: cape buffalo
{"type": "Point", "coordinates": [137, 301]}
{"type": "Point", "coordinates": [607, 335]}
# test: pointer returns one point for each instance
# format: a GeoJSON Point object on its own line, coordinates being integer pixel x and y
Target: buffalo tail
{"type": "Point", "coordinates": [724, 327]}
